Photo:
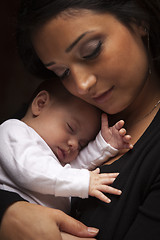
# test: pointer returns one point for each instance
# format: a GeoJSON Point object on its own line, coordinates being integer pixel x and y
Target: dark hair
{"type": "Point", "coordinates": [55, 89]}
{"type": "Point", "coordinates": [34, 13]}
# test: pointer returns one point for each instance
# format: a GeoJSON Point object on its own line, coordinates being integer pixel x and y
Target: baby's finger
{"type": "Point", "coordinates": [107, 181]}
{"type": "Point", "coordinates": [108, 175]}
{"type": "Point", "coordinates": [119, 124]}
{"type": "Point", "coordinates": [97, 171]}
{"type": "Point", "coordinates": [110, 190]}
{"type": "Point", "coordinates": [127, 138]}
{"type": "Point", "coordinates": [122, 132]}
{"type": "Point", "coordinates": [102, 197]}
{"type": "Point", "coordinates": [104, 121]}
{"type": "Point", "coordinates": [128, 146]}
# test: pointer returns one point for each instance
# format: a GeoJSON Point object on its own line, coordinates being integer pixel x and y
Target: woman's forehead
{"type": "Point", "coordinates": [62, 33]}
{"type": "Point", "coordinates": [76, 22]}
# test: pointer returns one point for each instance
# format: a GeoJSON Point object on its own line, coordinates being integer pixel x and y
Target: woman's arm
{"type": "Point", "coordinates": [23, 220]}
{"type": "Point", "coordinates": [7, 199]}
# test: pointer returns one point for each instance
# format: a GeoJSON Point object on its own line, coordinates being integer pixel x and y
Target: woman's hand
{"type": "Point", "coordinates": [67, 236]}
{"type": "Point", "coordinates": [27, 221]}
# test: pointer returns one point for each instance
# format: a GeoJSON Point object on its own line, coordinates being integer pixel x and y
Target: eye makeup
{"type": "Point", "coordinates": [87, 49]}
{"type": "Point", "coordinates": [60, 71]}
{"type": "Point", "coordinates": [92, 49]}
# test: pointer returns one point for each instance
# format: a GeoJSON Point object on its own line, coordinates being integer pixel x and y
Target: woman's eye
{"type": "Point", "coordinates": [61, 72]}
{"type": "Point", "coordinates": [93, 49]}
{"type": "Point", "coordinates": [65, 74]}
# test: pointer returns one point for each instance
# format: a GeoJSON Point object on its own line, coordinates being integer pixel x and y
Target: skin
{"type": "Point", "coordinates": [115, 79]}
{"type": "Point", "coordinates": [16, 226]}
{"type": "Point", "coordinates": [67, 125]}
{"type": "Point", "coordinates": [62, 124]}
{"type": "Point", "coordinates": [119, 67]}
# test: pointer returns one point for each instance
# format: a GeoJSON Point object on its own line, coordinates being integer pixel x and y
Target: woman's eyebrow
{"type": "Point", "coordinates": [76, 41]}
{"type": "Point", "coordinates": [70, 47]}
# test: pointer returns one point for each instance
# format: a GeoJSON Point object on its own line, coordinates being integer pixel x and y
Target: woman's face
{"type": "Point", "coordinates": [97, 58]}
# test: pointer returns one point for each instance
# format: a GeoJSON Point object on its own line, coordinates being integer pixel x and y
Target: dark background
{"type": "Point", "coordinates": [16, 84]}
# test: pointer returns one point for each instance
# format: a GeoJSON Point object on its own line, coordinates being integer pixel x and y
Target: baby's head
{"type": "Point", "coordinates": [65, 122]}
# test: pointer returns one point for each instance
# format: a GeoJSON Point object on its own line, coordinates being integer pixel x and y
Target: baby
{"type": "Point", "coordinates": [45, 157]}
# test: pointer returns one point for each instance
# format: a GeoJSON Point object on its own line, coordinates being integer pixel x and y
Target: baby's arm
{"type": "Point", "coordinates": [30, 164]}
{"type": "Point", "coordinates": [115, 135]}
{"type": "Point", "coordinates": [35, 168]}
{"type": "Point", "coordinates": [106, 145]}
{"type": "Point", "coordinates": [94, 154]}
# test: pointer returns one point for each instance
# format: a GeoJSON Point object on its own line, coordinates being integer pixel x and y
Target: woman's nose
{"type": "Point", "coordinates": [84, 81]}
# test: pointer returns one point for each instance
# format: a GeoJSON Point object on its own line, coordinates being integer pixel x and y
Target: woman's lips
{"type": "Point", "coordinates": [104, 96]}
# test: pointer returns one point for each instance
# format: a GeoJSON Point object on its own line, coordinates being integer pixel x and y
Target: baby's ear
{"type": "Point", "coordinates": [40, 102]}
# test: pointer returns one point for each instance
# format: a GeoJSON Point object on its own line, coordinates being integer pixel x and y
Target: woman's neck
{"type": "Point", "coordinates": [143, 107]}
{"type": "Point", "coordinates": [139, 114]}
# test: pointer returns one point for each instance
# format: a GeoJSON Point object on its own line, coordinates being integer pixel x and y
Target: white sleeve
{"type": "Point", "coordinates": [31, 164]}
{"type": "Point", "coordinates": [94, 154]}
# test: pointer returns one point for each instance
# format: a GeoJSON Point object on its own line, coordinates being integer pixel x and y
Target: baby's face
{"type": "Point", "coordinates": [67, 128]}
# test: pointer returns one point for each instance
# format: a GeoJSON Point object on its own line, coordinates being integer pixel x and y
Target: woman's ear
{"type": "Point", "coordinates": [144, 29]}
{"type": "Point", "coordinates": [141, 29]}
{"type": "Point", "coordinates": [40, 102]}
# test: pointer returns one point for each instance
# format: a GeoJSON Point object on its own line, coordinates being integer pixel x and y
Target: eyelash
{"type": "Point", "coordinates": [95, 52]}
{"type": "Point", "coordinates": [72, 131]}
{"type": "Point", "coordinates": [65, 74]}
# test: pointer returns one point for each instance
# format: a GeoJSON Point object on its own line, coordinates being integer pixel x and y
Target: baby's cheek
{"type": "Point", "coordinates": [71, 157]}
{"type": "Point", "coordinates": [74, 155]}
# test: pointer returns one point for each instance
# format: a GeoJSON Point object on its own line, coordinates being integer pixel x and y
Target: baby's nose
{"type": "Point", "coordinates": [73, 144]}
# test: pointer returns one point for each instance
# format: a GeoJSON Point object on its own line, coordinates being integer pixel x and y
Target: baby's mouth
{"type": "Point", "coordinates": [60, 154]}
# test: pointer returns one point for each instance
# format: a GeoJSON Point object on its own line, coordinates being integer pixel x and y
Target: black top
{"type": "Point", "coordinates": [135, 215]}
{"type": "Point", "coordinates": [7, 199]}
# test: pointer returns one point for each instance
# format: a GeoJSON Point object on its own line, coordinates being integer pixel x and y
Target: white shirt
{"type": "Point", "coordinates": [29, 167]}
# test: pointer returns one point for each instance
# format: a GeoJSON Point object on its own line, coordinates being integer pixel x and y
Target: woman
{"type": "Point", "coordinates": [108, 54]}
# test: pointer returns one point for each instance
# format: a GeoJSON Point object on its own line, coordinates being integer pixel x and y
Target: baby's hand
{"type": "Point", "coordinates": [99, 183]}
{"type": "Point", "coordinates": [115, 135]}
